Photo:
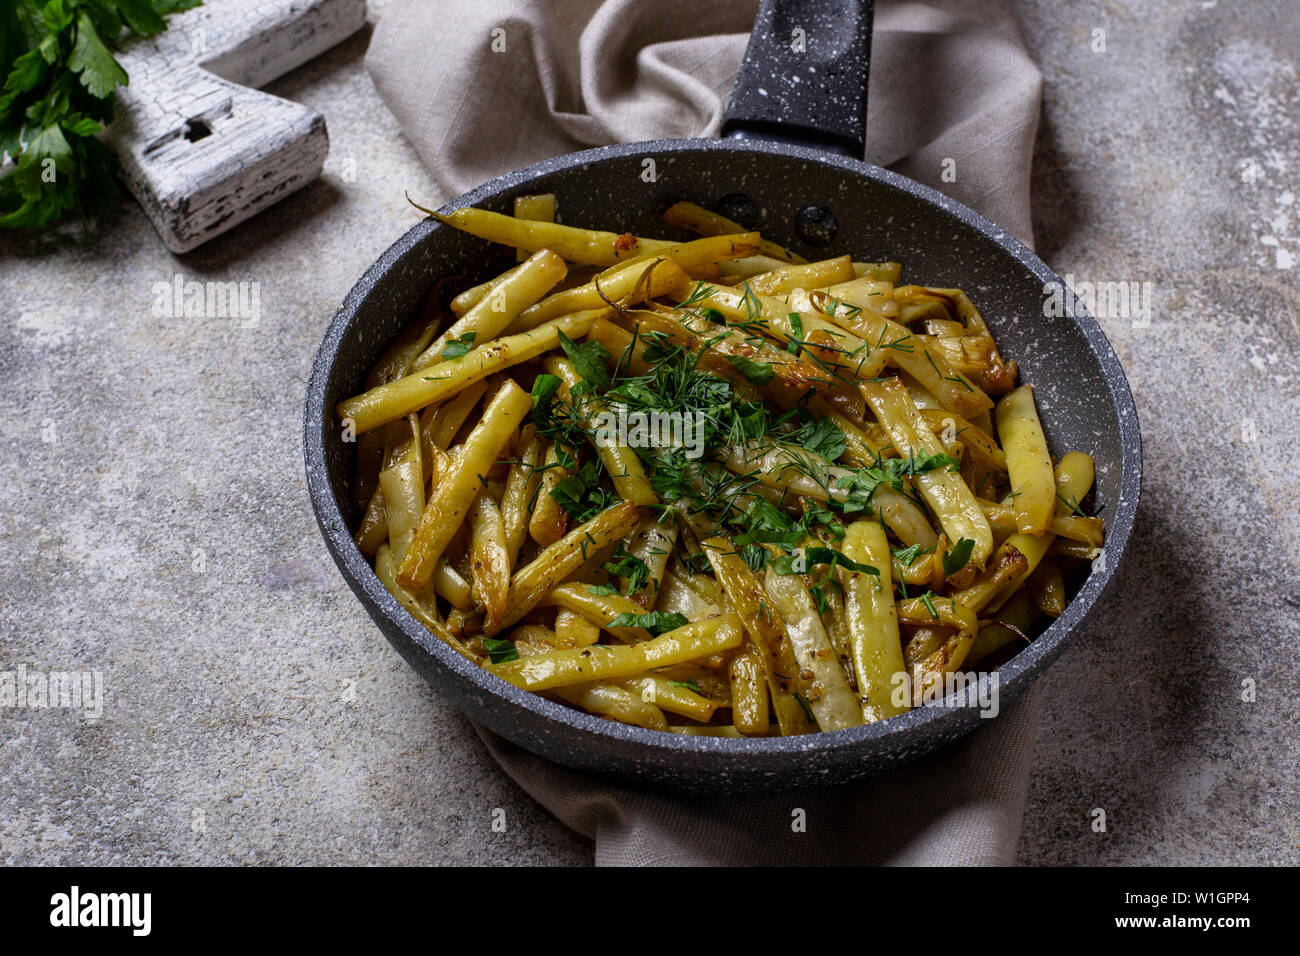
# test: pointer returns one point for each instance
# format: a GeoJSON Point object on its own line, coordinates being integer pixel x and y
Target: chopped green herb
{"type": "Point", "coordinates": [687, 684]}
{"type": "Point", "coordinates": [957, 558]}
{"type": "Point", "coordinates": [900, 344]}
{"type": "Point", "coordinates": [796, 325]}
{"type": "Point", "coordinates": [500, 650]}
{"type": "Point", "coordinates": [926, 599]}
{"type": "Point", "coordinates": [756, 373]}
{"type": "Point", "coordinates": [821, 436]}
{"type": "Point", "coordinates": [1075, 508]}
{"type": "Point", "coordinates": [862, 484]}
{"type": "Point", "coordinates": [820, 592]}
{"type": "Point", "coordinates": [749, 301]}
{"type": "Point", "coordinates": [947, 378]}
{"type": "Point", "coordinates": [625, 565]}
{"type": "Point", "coordinates": [907, 556]}
{"type": "Point", "coordinates": [545, 387]}
{"type": "Point", "coordinates": [699, 293]}
{"type": "Point", "coordinates": [656, 622]}
{"type": "Point", "coordinates": [765, 523]}
{"type": "Point", "coordinates": [588, 360]}
{"type": "Point", "coordinates": [581, 494]}
{"type": "Point", "coordinates": [459, 347]}
{"type": "Point", "coordinates": [804, 704]}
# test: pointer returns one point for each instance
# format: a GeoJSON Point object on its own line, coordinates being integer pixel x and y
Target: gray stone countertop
{"type": "Point", "coordinates": [157, 527]}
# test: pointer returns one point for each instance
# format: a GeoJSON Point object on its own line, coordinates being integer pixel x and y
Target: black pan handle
{"type": "Point", "coordinates": [804, 76]}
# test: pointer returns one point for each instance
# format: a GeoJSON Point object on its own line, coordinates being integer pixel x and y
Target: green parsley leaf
{"type": "Point", "coordinates": [756, 373]}
{"type": "Point", "coordinates": [459, 347]}
{"type": "Point", "coordinates": [27, 73]}
{"type": "Point", "coordinates": [544, 388]}
{"type": "Point", "coordinates": [796, 324]}
{"type": "Point", "coordinates": [588, 360]}
{"type": "Point", "coordinates": [919, 466]}
{"type": "Point", "coordinates": [656, 622]}
{"type": "Point", "coordinates": [174, 6]}
{"type": "Point", "coordinates": [629, 566]}
{"type": "Point", "coordinates": [141, 16]}
{"type": "Point", "coordinates": [957, 558]}
{"type": "Point", "coordinates": [822, 437]}
{"type": "Point", "coordinates": [100, 73]}
{"type": "Point", "coordinates": [500, 650]}
{"type": "Point", "coordinates": [581, 495]}
{"type": "Point", "coordinates": [765, 523]}
{"type": "Point", "coordinates": [59, 79]}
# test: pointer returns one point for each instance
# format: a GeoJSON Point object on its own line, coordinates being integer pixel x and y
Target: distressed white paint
{"type": "Point", "coordinates": [201, 148]}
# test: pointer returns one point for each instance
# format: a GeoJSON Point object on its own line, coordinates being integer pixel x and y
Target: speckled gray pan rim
{"type": "Point", "coordinates": [1090, 404]}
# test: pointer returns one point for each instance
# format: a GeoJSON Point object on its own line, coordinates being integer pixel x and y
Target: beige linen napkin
{"type": "Point", "coordinates": [952, 89]}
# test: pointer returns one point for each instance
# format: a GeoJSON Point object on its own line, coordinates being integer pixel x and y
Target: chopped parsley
{"type": "Point", "coordinates": [821, 436]}
{"type": "Point", "coordinates": [459, 346]}
{"type": "Point", "coordinates": [581, 494]}
{"type": "Point", "coordinates": [756, 373]}
{"type": "Point", "coordinates": [656, 622]}
{"type": "Point", "coordinates": [589, 359]}
{"type": "Point", "coordinates": [862, 484]}
{"type": "Point", "coordinates": [500, 650]}
{"type": "Point", "coordinates": [957, 558]}
{"type": "Point", "coordinates": [802, 563]}
{"type": "Point", "coordinates": [545, 387]}
{"type": "Point", "coordinates": [629, 566]}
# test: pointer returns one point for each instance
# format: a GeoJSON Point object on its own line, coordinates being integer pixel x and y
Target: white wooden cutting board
{"type": "Point", "coordinates": [201, 147]}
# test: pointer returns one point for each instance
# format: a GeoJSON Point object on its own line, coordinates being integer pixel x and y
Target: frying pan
{"type": "Point", "coordinates": [789, 165]}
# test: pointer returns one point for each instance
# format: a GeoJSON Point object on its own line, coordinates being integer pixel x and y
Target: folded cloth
{"type": "Point", "coordinates": [950, 80]}
{"type": "Point", "coordinates": [961, 807]}
{"type": "Point", "coordinates": [485, 86]}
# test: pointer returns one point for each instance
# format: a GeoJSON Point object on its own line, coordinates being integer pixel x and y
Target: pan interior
{"type": "Point", "coordinates": [1083, 400]}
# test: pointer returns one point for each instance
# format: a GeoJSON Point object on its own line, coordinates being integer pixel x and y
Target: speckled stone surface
{"type": "Point", "coordinates": [253, 713]}
{"type": "Point", "coordinates": [1138, 177]}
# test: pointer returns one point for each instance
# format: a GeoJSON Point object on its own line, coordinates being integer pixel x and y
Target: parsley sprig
{"type": "Point", "coordinates": [59, 79]}
{"type": "Point", "coordinates": [677, 380]}
{"type": "Point", "coordinates": [862, 484]}
{"type": "Point", "coordinates": [656, 622]}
